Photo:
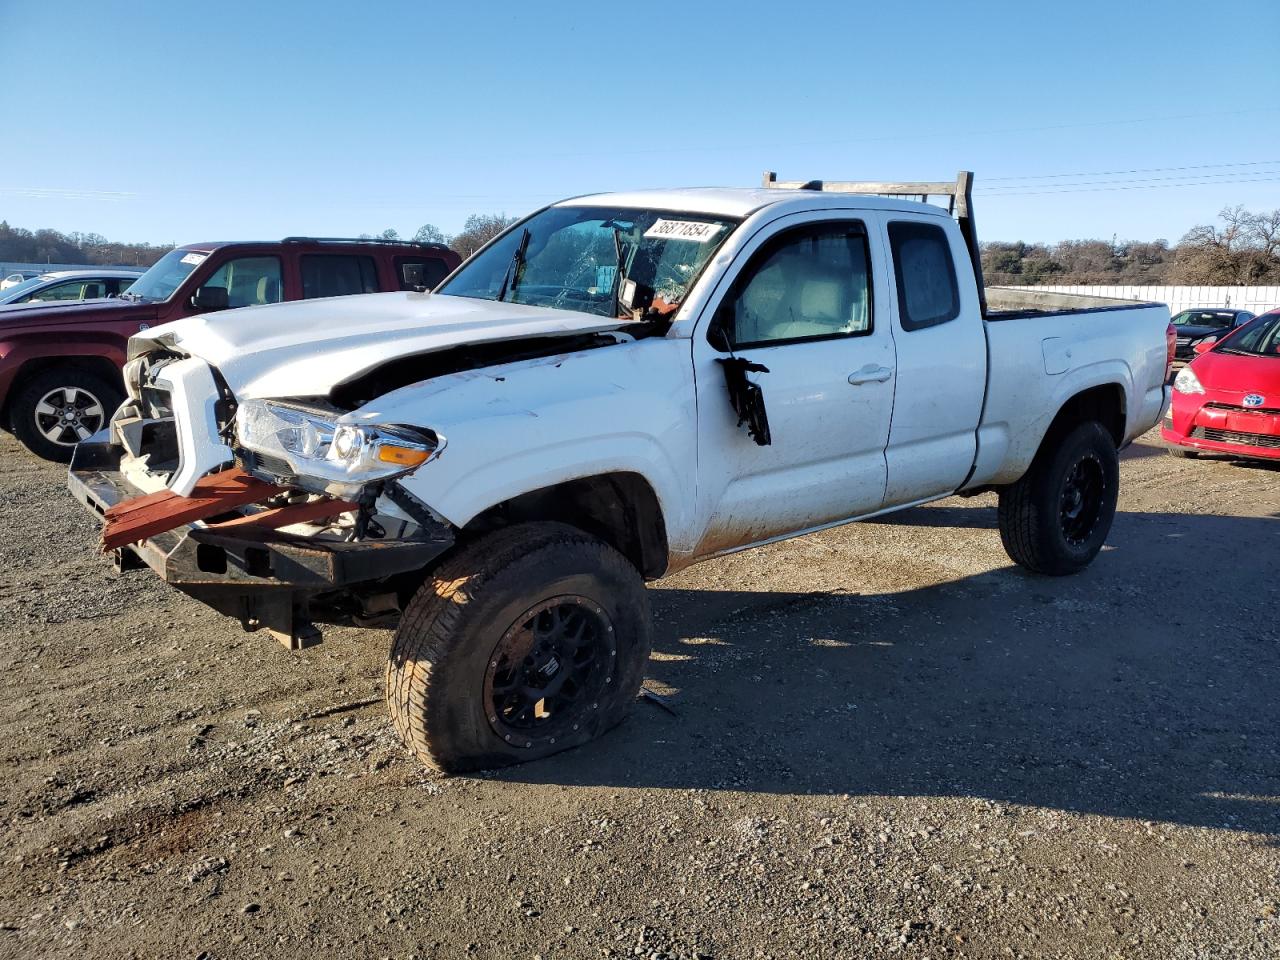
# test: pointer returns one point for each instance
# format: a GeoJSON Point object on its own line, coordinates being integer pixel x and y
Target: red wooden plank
{"type": "Point", "coordinates": [278, 517]}
{"type": "Point", "coordinates": [132, 520]}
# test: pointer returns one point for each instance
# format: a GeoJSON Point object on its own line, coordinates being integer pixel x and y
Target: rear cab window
{"type": "Point", "coordinates": [337, 275]}
{"type": "Point", "coordinates": [925, 273]}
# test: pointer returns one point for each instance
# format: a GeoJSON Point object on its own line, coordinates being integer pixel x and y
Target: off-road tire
{"type": "Point", "coordinates": [436, 674]}
{"type": "Point", "coordinates": [22, 409]}
{"type": "Point", "coordinates": [1032, 525]}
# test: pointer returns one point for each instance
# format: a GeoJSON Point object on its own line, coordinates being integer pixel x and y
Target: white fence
{"type": "Point", "coordinates": [1256, 299]}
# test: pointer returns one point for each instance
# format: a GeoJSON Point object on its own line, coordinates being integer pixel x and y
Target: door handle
{"type": "Point", "coordinates": [871, 373]}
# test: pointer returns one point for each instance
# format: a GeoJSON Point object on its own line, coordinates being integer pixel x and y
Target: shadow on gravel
{"type": "Point", "coordinates": [1129, 690]}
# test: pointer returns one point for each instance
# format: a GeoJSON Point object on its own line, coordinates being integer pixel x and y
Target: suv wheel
{"type": "Point", "coordinates": [527, 641]}
{"type": "Point", "coordinates": [1055, 518]}
{"type": "Point", "coordinates": [59, 407]}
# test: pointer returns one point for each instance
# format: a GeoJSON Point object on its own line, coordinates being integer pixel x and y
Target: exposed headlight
{"type": "Point", "coordinates": [325, 455]}
{"type": "Point", "coordinates": [1187, 382]}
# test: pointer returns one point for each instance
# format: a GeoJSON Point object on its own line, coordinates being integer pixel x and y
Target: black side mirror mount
{"type": "Point", "coordinates": [718, 333]}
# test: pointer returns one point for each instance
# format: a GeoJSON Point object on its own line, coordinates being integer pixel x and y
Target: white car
{"type": "Point", "coordinates": [69, 285]}
{"type": "Point", "coordinates": [617, 387]}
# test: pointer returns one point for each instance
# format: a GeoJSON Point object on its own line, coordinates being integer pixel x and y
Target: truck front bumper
{"type": "Point", "coordinates": [264, 578]}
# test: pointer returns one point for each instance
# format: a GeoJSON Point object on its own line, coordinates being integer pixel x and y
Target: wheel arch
{"type": "Point", "coordinates": [620, 508]}
{"type": "Point", "coordinates": [1105, 402]}
{"type": "Point", "coordinates": [97, 364]}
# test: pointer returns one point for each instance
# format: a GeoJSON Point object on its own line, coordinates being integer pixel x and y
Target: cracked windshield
{"type": "Point", "coordinates": [569, 258]}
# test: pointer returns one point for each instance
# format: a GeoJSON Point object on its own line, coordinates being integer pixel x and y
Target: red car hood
{"type": "Point", "coordinates": [1229, 377]}
{"type": "Point", "coordinates": [73, 311]}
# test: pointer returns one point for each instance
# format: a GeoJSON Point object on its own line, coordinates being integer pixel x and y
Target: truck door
{"type": "Point", "coordinates": [803, 300]}
{"type": "Point", "coordinates": [942, 358]}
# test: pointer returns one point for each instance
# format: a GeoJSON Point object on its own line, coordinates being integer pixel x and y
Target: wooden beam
{"type": "Point", "coordinates": [133, 520]}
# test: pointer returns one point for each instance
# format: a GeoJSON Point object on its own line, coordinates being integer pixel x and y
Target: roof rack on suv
{"type": "Point", "coordinates": [959, 204]}
{"type": "Point", "coordinates": [430, 245]}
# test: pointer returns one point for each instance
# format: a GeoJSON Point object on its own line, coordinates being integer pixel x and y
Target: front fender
{"type": "Point", "coordinates": [521, 427]}
{"type": "Point", "coordinates": [19, 350]}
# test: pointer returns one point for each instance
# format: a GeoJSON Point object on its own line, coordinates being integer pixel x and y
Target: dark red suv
{"type": "Point", "coordinates": [60, 363]}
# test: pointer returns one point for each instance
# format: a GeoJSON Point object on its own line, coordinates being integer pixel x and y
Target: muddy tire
{"type": "Point", "coordinates": [1054, 520]}
{"type": "Point", "coordinates": [527, 641]}
{"type": "Point", "coordinates": [58, 407]}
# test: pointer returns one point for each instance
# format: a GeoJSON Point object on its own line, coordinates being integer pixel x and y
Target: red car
{"type": "Point", "coordinates": [1227, 400]}
{"type": "Point", "coordinates": [60, 362]}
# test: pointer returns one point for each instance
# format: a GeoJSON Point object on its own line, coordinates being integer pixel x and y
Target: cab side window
{"type": "Point", "coordinates": [249, 281]}
{"type": "Point", "coordinates": [926, 275]}
{"type": "Point", "coordinates": [809, 283]}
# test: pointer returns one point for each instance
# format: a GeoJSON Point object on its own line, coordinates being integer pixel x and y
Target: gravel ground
{"type": "Point", "coordinates": [885, 740]}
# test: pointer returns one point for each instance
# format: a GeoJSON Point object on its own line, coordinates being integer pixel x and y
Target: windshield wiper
{"type": "Point", "coordinates": [512, 276]}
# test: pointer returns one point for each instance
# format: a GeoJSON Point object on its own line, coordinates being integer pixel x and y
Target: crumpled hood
{"type": "Point", "coordinates": [306, 348]}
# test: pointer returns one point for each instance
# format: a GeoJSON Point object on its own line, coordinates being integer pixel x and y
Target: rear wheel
{"type": "Point", "coordinates": [529, 640]}
{"type": "Point", "coordinates": [59, 407]}
{"type": "Point", "coordinates": [1054, 520]}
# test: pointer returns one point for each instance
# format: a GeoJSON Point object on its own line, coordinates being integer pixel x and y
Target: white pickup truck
{"type": "Point", "coordinates": [617, 387]}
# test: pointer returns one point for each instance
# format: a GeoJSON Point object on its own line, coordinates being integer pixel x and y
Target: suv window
{"type": "Point", "coordinates": [809, 283]}
{"type": "Point", "coordinates": [926, 275]}
{"type": "Point", "coordinates": [337, 275]}
{"type": "Point", "coordinates": [249, 281]}
{"type": "Point", "coordinates": [67, 290]}
{"type": "Point", "coordinates": [433, 271]}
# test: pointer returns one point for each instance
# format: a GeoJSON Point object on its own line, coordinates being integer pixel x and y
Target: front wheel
{"type": "Point", "coordinates": [59, 407]}
{"type": "Point", "coordinates": [1055, 518]}
{"type": "Point", "coordinates": [527, 641]}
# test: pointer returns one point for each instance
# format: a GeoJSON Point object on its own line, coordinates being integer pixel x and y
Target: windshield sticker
{"type": "Point", "coordinates": [682, 230]}
{"type": "Point", "coordinates": [195, 259]}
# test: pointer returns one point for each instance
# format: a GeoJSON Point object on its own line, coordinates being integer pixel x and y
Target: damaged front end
{"type": "Point", "coordinates": [258, 509]}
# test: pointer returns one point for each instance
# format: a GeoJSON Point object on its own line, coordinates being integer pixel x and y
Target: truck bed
{"type": "Point", "coordinates": [1061, 345]}
{"type": "Point", "coordinates": [1006, 303]}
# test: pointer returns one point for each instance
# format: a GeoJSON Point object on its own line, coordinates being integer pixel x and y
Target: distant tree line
{"type": "Point", "coordinates": [19, 245]}
{"type": "Point", "coordinates": [478, 230]}
{"type": "Point", "coordinates": [1243, 249]}
{"type": "Point", "coordinates": [50, 246]}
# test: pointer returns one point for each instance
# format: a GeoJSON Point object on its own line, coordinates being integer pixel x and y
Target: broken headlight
{"type": "Point", "coordinates": [324, 455]}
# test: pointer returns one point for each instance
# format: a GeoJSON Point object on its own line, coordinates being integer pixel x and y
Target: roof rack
{"type": "Point", "coordinates": [430, 245]}
{"type": "Point", "coordinates": [959, 204]}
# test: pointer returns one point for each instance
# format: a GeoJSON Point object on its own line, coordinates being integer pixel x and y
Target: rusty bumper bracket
{"type": "Point", "coordinates": [261, 576]}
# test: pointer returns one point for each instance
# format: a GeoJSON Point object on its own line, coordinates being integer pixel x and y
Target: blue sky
{"type": "Point", "coordinates": [173, 122]}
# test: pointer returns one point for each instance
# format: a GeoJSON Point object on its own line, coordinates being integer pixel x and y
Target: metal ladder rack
{"type": "Point", "coordinates": [959, 204]}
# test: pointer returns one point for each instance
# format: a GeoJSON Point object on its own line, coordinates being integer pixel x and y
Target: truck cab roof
{"type": "Point", "coordinates": [744, 201]}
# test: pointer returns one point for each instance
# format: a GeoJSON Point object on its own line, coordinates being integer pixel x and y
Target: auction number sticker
{"type": "Point", "coordinates": [195, 259]}
{"type": "Point", "coordinates": [683, 230]}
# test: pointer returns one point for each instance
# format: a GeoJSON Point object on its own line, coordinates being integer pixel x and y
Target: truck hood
{"type": "Point", "coordinates": [306, 348]}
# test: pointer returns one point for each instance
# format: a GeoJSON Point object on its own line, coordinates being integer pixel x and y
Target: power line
{"type": "Point", "coordinates": [1110, 173]}
{"type": "Point", "coordinates": [1206, 177]}
{"type": "Point", "coordinates": [1141, 186]}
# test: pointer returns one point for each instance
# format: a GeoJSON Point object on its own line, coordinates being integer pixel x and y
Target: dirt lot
{"type": "Point", "coordinates": [886, 740]}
